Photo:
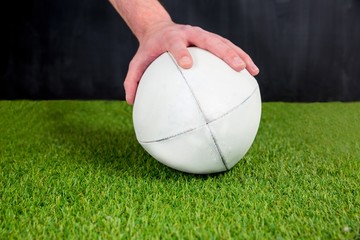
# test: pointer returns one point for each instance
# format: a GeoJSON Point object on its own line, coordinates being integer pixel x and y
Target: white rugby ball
{"type": "Point", "coordinates": [199, 120]}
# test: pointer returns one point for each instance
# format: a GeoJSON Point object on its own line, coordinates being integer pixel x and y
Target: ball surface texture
{"type": "Point", "coordinates": [200, 120]}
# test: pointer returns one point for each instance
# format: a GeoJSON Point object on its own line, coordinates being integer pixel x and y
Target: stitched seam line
{"type": "Point", "coordinates": [194, 129]}
{"type": "Point", "coordinates": [217, 147]}
{"type": "Point", "coordinates": [172, 136]}
{"type": "Point", "coordinates": [237, 106]}
{"type": "Point", "coordinates": [202, 114]}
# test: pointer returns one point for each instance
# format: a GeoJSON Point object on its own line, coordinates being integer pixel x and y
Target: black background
{"type": "Point", "coordinates": [307, 50]}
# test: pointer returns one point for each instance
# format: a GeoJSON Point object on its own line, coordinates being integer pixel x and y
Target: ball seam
{"type": "Point", "coordinates": [216, 146]}
{"type": "Point", "coordinates": [206, 123]}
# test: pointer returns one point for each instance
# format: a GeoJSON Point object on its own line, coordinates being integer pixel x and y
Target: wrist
{"type": "Point", "coordinates": [152, 28]}
{"type": "Point", "coordinates": [145, 16]}
{"type": "Point", "coordinates": [142, 15]}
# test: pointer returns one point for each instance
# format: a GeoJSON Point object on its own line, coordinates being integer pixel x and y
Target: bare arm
{"type": "Point", "coordinates": [157, 33]}
{"type": "Point", "coordinates": [141, 15]}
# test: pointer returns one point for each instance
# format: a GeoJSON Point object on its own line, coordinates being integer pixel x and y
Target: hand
{"type": "Point", "coordinates": [175, 38]}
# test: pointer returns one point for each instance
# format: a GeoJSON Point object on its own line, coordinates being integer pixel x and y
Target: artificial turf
{"type": "Point", "coordinates": [73, 169]}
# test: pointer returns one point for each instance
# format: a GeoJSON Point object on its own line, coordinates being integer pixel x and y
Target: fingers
{"type": "Point", "coordinates": [178, 49]}
{"type": "Point", "coordinates": [234, 56]}
{"type": "Point", "coordinates": [250, 65]}
{"type": "Point", "coordinates": [131, 81]}
{"type": "Point", "coordinates": [175, 39]}
{"type": "Point", "coordinates": [137, 67]}
{"type": "Point", "coordinates": [182, 56]}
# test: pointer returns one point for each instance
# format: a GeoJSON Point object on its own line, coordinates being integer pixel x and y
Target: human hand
{"type": "Point", "coordinates": [175, 38]}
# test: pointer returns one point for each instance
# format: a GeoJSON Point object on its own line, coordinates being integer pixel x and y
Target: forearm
{"type": "Point", "coordinates": [141, 15]}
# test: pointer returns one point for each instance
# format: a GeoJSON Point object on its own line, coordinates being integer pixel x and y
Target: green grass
{"type": "Point", "coordinates": [73, 169]}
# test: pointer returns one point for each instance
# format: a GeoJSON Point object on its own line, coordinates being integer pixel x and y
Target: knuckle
{"type": "Point", "coordinates": [187, 27]}
{"type": "Point", "coordinates": [215, 42]}
{"type": "Point", "coordinates": [230, 53]}
{"type": "Point", "coordinates": [170, 35]}
{"type": "Point", "coordinates": [127, 85]}
{"type": "Point", "coordinates": [246, 57]}
{"type": "Point", "coordinates": [197, 29]}
{"type": "Point", "coordinates": [208, 40]}
{"type": "Point", "coordinates": [196, 32]}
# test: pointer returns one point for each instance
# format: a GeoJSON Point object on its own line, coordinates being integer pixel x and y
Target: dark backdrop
{"type": "Point", "coordinates": [307, 50]}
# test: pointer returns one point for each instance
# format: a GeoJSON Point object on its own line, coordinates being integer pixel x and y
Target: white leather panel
{"type": "Point", "coordinates": [236, 131]}
{"type": "Point", "coordinates": [164, 105]}
{"type": "Point", "coordinates": [217, 87]}
{"type": "Point", "coordinates": [193, 152]}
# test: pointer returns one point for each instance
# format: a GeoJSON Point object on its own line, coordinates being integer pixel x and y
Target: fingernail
{"type": "Point", "coordinates": [238, 62]}
{"type": "Point", "coordinates": [185, 62]}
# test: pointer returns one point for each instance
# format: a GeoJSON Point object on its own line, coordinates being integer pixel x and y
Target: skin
{"type": "Point", "coordinates": [157, 33]}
